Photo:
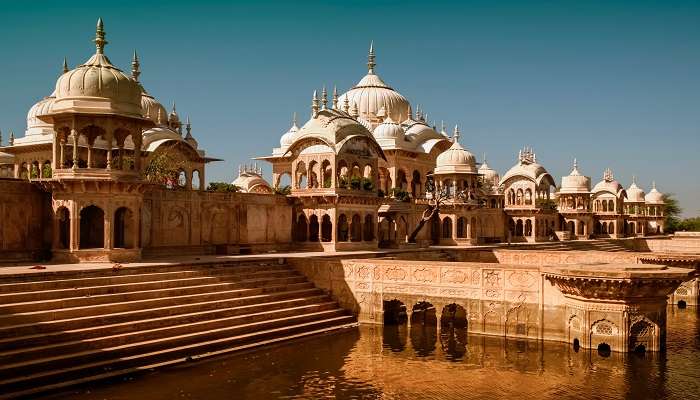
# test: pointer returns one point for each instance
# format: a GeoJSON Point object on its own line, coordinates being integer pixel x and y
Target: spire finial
{"type": "Point", "coordinates": [370, 59]}
{"type": "Point", "coordinates": [484, 158]}
{"type": "Point", "coordinates": [0, 138]}
{"type": "Point", "coordinates": [135, 71]}
{"type": "Point", "coordinates": [455, 137]}
{"type": "Point", "coordinates": [294, 119]}
{"type": "Point", "coordinates": [100, 41]}
{"type": "Point", "coordinates": [324, 98]}
{"type": "Point", "coordinates": [575, 163]}
{"type": "Point", "coordinates": [174, 110]}
{"type": "Point", "coordinates": [335, 97]}
{"type": "Point", "coordinates": [314, 105]}
{"type": "Point", "coordinates": [346, 104]}
{"type": "Point", "coordinates": [188, 127]}
{"type": "Point", "coordinates": [442, 126]}
{"type": "Point", "coordinates": [12, 138]}
{"type": "Point", "coordinates": [409, 113]}
{"type": "Point", "coordinates": [634, 180]}
{"type": "Point", "coordinates": [354, 110]}
{"type": "Point", "coordinates": [65, 65]}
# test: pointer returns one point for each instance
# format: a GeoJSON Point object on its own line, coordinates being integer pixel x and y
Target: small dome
{"type": "Point", "coordinates": [489, 174]}
{"type": "Point", "coordinates": [98, 87]}
{"type": "Point", "coordinates": [152, 108]}
{"type": "Point", "coordinates": [388, 130]}
{"type": "Point", "coordinates": [288, 138]}
{"type": "Point", "coordinates": [456, 160]}
{"type": "Point", "coordinates": [42, 107]}
{"type": "Point", "coordinates": [250, 181]}
{"type": "Point", "coordinates": [654, 196]}
{"type": "Point", "coordinates": [575, 182]}
{"type": "Point", "coordinates": [634, 194]}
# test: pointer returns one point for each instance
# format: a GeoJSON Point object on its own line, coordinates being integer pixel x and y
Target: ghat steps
{"type": "Point", "coordinates": [66, 328]}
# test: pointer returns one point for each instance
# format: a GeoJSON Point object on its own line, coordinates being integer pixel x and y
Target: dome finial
{"type": "Point", "coordinates": [65, 65]}
{"type": "Point", "coordinates": [100, 41]}
{"type": "Point", "coordinates": [653, 185]}
{"type": "Point", "coordinates": [409, 112]}
{"type": "Point", "coordinates": [188, 128]}
{"type": "Point", "coordinates": [608, 175]}
{"type": "Point", "coordinates": [455, 137]}
{"type": "Point", "coordinates": [346, 104]}
{"type": "Point", "coordinates": [324, 98]}
{"type": "Point", "coordinates": [294, 120]}
{"type": "Point", "coordinates": [634, 180]}
{"type": "Point", "coordinates": [484, 158]}
{"type": "Point", "coordinates": [335, 97]}
{"type": "Point", "coordinates": [135, 71]}
{"type": "Point", "coordinates": [575, 163]}
{"type": "Point", "coordinates": [354, 110]}
{"type": "Point", "coordinates": [0, 138]}
{"type": "Point", "coordinates": [370, 58]}
{"type": "Point", "coordinates": [314, 105]}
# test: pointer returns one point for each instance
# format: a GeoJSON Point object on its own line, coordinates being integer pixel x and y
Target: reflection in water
{"type": "Point", "coordinates": [381, 363]}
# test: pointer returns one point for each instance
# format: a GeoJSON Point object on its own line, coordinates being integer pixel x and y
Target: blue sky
{"type": "Point", "coordinates": [612, 83]}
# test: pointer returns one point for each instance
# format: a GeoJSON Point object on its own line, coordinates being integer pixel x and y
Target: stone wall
{"type": "Point", "coordinates": [206, 222]}
{"type": "Point", "coordinates": [24, 211]}
{"type": "Point", "coordinates": [499, 299]}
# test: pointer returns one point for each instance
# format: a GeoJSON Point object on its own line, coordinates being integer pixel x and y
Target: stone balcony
{"type": "Point", "coordinates": [94, 174]}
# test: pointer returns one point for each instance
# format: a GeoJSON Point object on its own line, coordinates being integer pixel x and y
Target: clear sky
{"type": "Point", "coordinates": [613, 83]}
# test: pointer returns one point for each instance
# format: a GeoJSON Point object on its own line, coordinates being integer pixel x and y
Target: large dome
{"type": "Point", "coordinates": [455, 160]}
{"type": "Point", "coordinates": [98, 87]}
{"type": "Point", "coordinates": [152, 109]}
{"type": "Point", "coordinates": [371, 94]}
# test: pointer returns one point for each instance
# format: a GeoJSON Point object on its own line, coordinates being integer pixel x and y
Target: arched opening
{"type": "Point", "coordinates": [124, 228]}
{"type": "Point", "coordinates": [394, 331]}
{"type": "Point", "coordinates": [63, 217]}
{"type": "Point", "coordinates": [342, 228]}
{"type": "Point", "coordinates": [313, 228]}
{"type": "Point", "coordinates": [46, 171]}
{"type": "Point", "coordinates": [394, 312]}
{"type": "Point", "coordinates": [641, 336]}
{"type": "Point", "coordinates": [416, 185]}
{"type": "Point", "coordinates": [92, 232]}
{"type": "Point", "coordinates": [401, 181]}
{"type": "Point", "coordinates": [528, 227]}
{"type": "Point", "coordinates": [356, 228]}
{"type": "Point", "coordinates": [528, 197]}
{"type": "Point", "coordinates": [302, 228]}
{"type": "Point", "coordinates": [326, 228]}
{"type": "Point", "coordinates": [519, 228]}
{"type": "Point", "coordinates": [577, 345]}
{"type": "Point", "coordinates": [312, 175]}
{"type": "Point", "coordinates": [181, 179]}
{"type": "Point", "coordinates": [423, 313]}
{"type": "Point", "coordinates": [604, 350]}
{"type": "Point", "coordinates": [570, 227]}
{"type": "Point", "coordinates": [682, 304]}
{"type": "Point", "coordinates": [453, 315]}
{"type": "Point", "coordinates": [519, 198]}
{"type": "Point", "coordinates": [473, 228]}
{"type": "Point", "coordinates": [461, 227]}
{"type": "Point", "coordinates": [284, 181]}
{"type": "Point", "coordinates": [327, 171]}
{"type": "Point", "coordinates": [611, 228]}
{"type": "Point", "coordinates": [447, 228]}
{"type": "Point", "coordinates": [368, 228]}
{"type": "Point", "coordinates": [423, 328]}
{"type": "Point", "coordinates": [300, 176]}
{"type": "Point", "coordinates": [196, 183]}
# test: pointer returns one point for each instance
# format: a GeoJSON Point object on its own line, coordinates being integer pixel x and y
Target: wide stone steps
{"type": "Point", "coordinates": [61, 329]}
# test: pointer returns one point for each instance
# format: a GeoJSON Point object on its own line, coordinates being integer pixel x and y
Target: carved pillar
{"type": "Point", "coordinates": [137, 154]}
{"type": "Point", "coordinates": [109, 150]}
{"type": "Point", "coordinates": [89, 155]}
{"type": "Point", "coordinates": [75, 148]}
{"type": "Point", "coordinates": [108, 231]}
{"type": "Point", "coordinates": [62, 153]}
{"type": "Point", "coordinates": [54, 152]}
{"type": "Point", "coordinates": [74, 227]}
{"type": "Point", "coordinates": [120, 155]}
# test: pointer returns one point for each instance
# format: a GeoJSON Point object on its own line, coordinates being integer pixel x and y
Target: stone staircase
{"type": "Point", "coordinates": [581, 245]}
{"type": "Point", "coordinates": [63, 329]}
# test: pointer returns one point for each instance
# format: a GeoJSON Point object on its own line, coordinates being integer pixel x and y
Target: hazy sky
{"type": "Point", "coordinates": [615, 84]}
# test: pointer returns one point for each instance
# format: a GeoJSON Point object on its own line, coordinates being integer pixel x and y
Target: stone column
{"type": "Point", "coordinates": [137, 154]}
{"type": "Point", "coordinates": [74, 228]}
{"type": "Point", "coordinates": [120, 155]}
{"type": "Point", "coordinates": [108, 231]}
{"type": "Point", "coordinates": [62, 154]}
{"type": "Point", "coordinates": [54, 152]}
{"type": "Point", "coordinates": [89, 155]}
{"type": "Point", "coordinates": [109, 151]}
{"type": "Point", "coordinates": [75, 148]}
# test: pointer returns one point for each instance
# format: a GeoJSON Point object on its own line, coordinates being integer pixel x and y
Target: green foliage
{"type": "Point", "coordinates": [222, 187]}
{"type": "Point", "coordinates": [46, 171]}
{"type": "Point", "coordinates": [163, 168]}
{"type": "Point", "coordinates": [689, 224]}
{"type": "Point", "coordinates": [546, 204]}
{"type": "Point", "coordinates": [400, 195]}
{"type": "Point", "coordinates": [672, 212]}
{"type": "Point", "coordinates": [327, 182]}
{"type": "Point", "coordinates": [367, 184]}
{"type": "Point", "coordinates": [284, 190]}
{"type": "Point", "coordinates": [343, 182]}
{"type": "Point", "coordinates": [355, 183]}
{"type": "Point", "coordinates": [380, 193]}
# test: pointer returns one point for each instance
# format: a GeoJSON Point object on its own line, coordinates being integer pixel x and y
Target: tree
{"type": "Point", "coordinates": [433, 209]}
{"type": "Point", "coordinates": [672, 212]}
{"type": "Point", "coordinates": [164, 167]}
{"type": "Point", "coordinates": [223, 187]}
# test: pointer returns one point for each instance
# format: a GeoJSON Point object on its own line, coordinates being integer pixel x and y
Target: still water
{"type": "Point", "coordinates": [420, 363]}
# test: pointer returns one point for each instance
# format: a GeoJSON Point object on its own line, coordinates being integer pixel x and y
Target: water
{"type": "Point", "coordinates": [398, 363]}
